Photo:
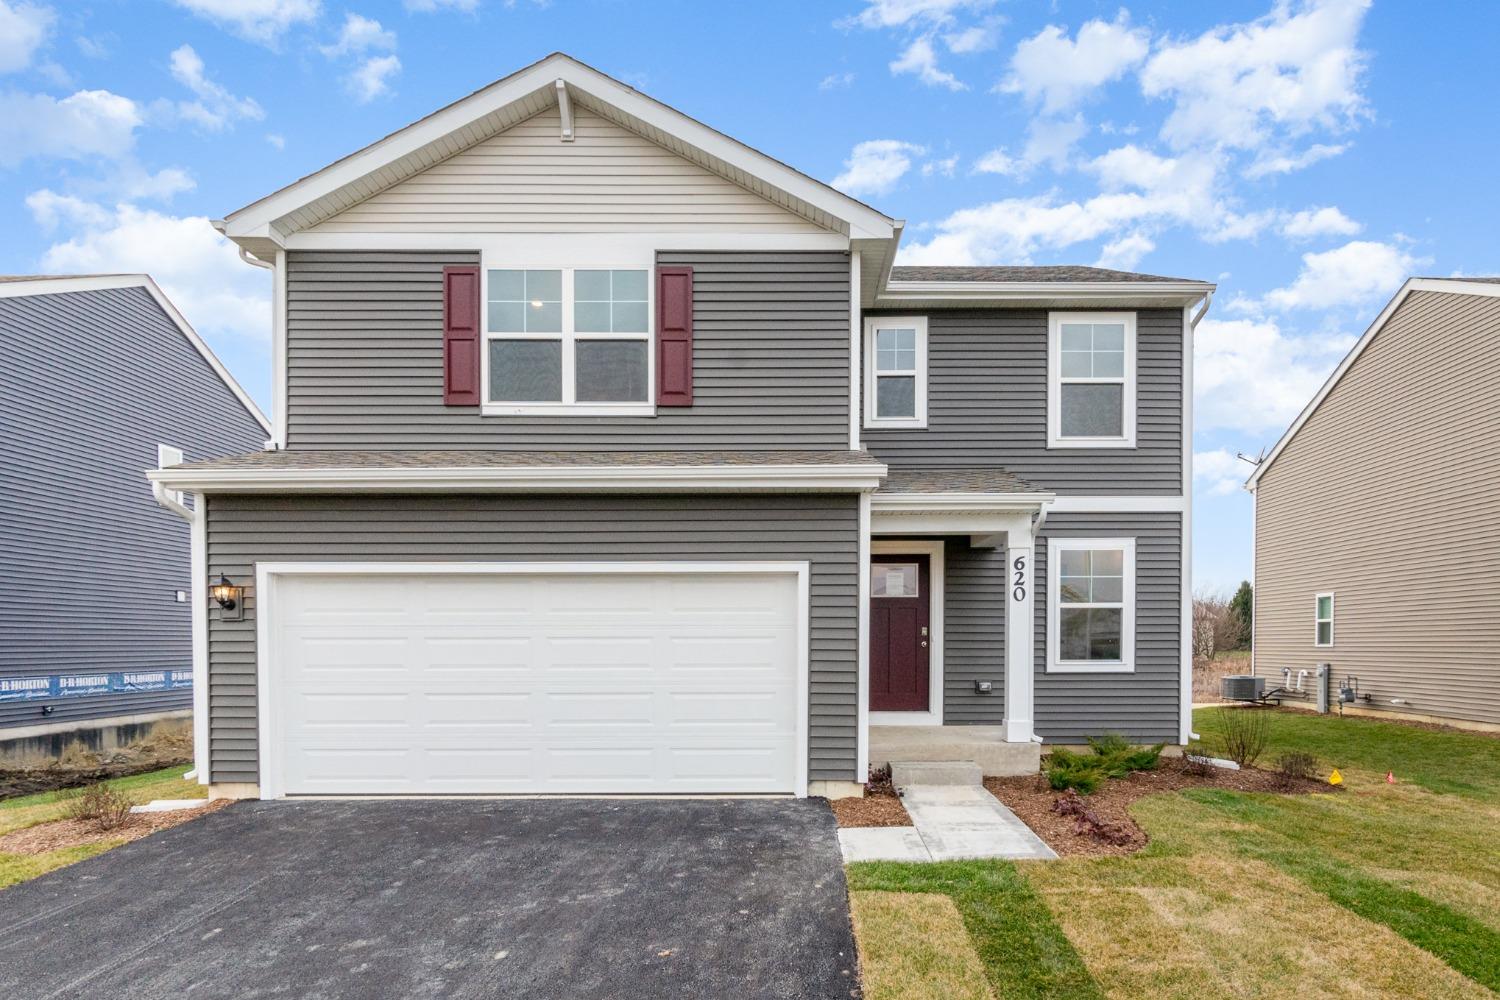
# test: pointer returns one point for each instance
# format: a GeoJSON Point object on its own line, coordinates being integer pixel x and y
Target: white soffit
{"type": "Point", "coordinates": [513, 99]}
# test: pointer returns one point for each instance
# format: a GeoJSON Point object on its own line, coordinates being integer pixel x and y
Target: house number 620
{"type": "Point", "coordinates": [1018, 585]}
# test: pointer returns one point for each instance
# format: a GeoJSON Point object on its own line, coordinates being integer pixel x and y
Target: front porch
{"type": "Point", "coordinates": [948, 672]}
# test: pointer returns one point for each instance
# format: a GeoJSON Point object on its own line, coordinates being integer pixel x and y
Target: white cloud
{"type": "Point", "coordinates": [360, 34]}
{"type": "Point", "coordinates": [1284, 163]}
{"type": "Point", "coordinates": [1013, 229]}
{"type": "Point", "coordinates": [216, 108]}
{"type": "Point", "coordinates": [1051, 141]}
{"type": "Point", "coordinates": [1251, 377]}
{"type": "Point", "coordinates": [975, 38]}
{"type": "Point", "coordinates": [1236, 85]}
{"type": "Point", "coordinates": [902, 13]}
{"type": "Point", "coordinates": [427, 6]}
{"type": "Point", "coordinates": [96, 47]}
{"type": "Point", "coordinates": [371, 78]}
{"type": "Point", "coordinates": [835, 81]}
{"type": "Point", "coordinates": [1219, 472]}
{"type": "Point", "coordinates": [23, 29]}
{"type": "Point", "coordinates": [263, 21]}
{"type": "Point", "coordinates": [998, 161]}
{"type": "Point", "coordinates": [1057, 72]}
{"type": "Point", "coordinates": [51, 210]}
{"type": "Point", "coordinates": [874, 166]}
{"type": "Point", "coordinates": [277, 141]}
{"type": "Point", "coordinates": [1356, 273]}
{"type": "Point", "coordinates": [85, 124]}
{"type": "Point", "coordinates": [198, 269]}
{"type": "Point", "coordinates": [920, 59]}
{"type": "Point", "coordinates": [1126, 252]}
{"type": "Point", "coordinates": [132, 182]}
{"type": "Point", "coordinates": [941, 168]}
{"type": "Point", "coordinates": [1314, 222]}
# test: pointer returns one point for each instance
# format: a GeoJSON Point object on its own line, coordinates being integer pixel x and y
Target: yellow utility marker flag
{"type": "Point", "coordinates": [1335, 778]}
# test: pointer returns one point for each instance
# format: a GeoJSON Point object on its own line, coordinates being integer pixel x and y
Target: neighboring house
{"type": "Point", "coordinates": [97, 374]}
{"type": "Point", "coordinates": [614, 456]}
{"type": "Point", "coordinates": [1406, 432]}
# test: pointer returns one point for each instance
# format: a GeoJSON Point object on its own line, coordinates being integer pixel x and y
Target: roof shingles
{"type": "Point", "coordinates": [1058, 273]}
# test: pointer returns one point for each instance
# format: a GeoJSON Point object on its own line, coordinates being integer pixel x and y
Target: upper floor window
{"type": "Point", "coordinates": [1091, 380]}
{"type": "Point", "coordinates": [1323, 620]}
{"type": "Point", "coordinates": [896, 371]}
{"type": "Point", "coordinates": [568, 340]}
{"type": "Point", "coordinates": [1091, 605]}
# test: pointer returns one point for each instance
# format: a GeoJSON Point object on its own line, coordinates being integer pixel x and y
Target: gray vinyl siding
{"type": "Point", "coordinates": [820, 528]}
{"type": "Point", "coordinates": [90, 383]}
{"type": "Point", "coordinates": [1403, 452]}
{"type": "Point", "coordinates": [1145, 705]}
{"type": "Point", "coordinates": [365, 359]}
{"type": "Point", "coordinates": [973, 633]}
{"type": "Point", "coordinates": [987, 405]}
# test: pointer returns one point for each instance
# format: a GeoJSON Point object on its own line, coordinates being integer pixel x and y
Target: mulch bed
{"type": "Point", "coordinates": [1032, 799]}
{"type": "Point", "coordinates": [881, 806]}
{"type": "Point", "coordinates": [58, 834]}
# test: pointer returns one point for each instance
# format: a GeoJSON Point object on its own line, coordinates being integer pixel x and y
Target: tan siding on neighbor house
{"type": "Point", "coordinates": [526, 179]}
{"type": "Point", "coordinates": [1389, 496]}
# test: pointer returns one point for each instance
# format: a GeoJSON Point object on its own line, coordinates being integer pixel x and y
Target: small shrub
{"type": "Point", "coordinates": [1247, 733]}
{"type": "Point", "coordinates": [1118, 756]}
{"type": "Point", "coordinates": [1295, 766]}
{"type": "Point", "coordinates": [100, 806]}
{"type": "Point", "coordinates": [1067, 770]}
{"type": "Point", "coordinates": [1086, 822]}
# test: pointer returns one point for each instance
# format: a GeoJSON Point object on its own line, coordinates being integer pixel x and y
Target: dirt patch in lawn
{"type": "Point", "coordinates": [78, 767]}
{"type": "Point", "coordinates": [1033, 800]}
{"type": "Point", "coordinates": [881, 806]}
{"type": "Point", "coordinates": [45, 838]}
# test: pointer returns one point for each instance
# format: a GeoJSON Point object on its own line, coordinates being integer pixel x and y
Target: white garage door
{"type": "Point", "coordinates": [543, 682]}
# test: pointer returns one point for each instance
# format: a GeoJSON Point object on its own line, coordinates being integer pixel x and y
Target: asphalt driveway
{"type": "Point", "coordinates": [456, 899]}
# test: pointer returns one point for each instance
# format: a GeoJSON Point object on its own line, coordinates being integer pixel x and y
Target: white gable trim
{"type": "Point", "coordinates": [257, 219]}
{"type": "Point", "coordinates": [1452, 286]}
{"type": "Point", "coordinates": [97, 282]}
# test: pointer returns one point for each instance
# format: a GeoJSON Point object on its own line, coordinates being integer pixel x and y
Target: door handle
{"type": "Point", "coordinates": [924, 643]}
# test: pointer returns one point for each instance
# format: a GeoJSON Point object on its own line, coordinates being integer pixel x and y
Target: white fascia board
{"type": "Point", "coordinates": [654, 479]}
{"type": "Point", "coordinates": [1451, 285]}
{"type": "Point", "coordinates": [596, 244]}
{"type": "Point", "coordinates": [98, 282]}
{"type": "Point", "coordinates": [1175, 292]}
{"type": "Point", "coordinates": [863, 221]}
{"type": "Point", "coordinates": [959, 503]}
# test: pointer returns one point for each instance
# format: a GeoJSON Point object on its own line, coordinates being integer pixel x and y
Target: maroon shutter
{"type": "Point", "coordinates": [461, 336]}
{"type": "Point", "coordinates": [674, 336]}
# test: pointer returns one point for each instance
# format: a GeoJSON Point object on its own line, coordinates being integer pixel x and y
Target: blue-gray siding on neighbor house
{"type": "Point", "coordinates": [365, 359]}
{"type": "Point", "coordinates": [822, 529]}
{"type": "Point", "coordinates": [987, 405]}
{"type": "Point", "coordinates": [90, 383]}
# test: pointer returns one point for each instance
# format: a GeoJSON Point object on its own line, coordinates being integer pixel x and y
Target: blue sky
{"type": "Point", "coordinates": [1306, 156]}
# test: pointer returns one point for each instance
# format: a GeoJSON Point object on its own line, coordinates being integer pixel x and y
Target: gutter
{"type": "Point", "coordinates": [1208, 300]}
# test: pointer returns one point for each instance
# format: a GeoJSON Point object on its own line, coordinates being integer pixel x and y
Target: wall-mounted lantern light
{"type": "Point", "coordinates": [228, 597]}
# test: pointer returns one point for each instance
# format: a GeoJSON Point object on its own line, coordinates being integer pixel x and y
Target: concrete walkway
{"type": "Point", "coordinates": [952, 822]}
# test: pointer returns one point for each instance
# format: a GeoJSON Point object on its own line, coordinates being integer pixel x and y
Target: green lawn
{"type": "Point", "coordinates": [29, 810]}
{"type": "Point", "coordinates": [1377, 890]}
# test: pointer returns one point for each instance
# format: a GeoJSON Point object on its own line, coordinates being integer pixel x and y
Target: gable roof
{"type": "Point", "coordinates": [1489, 287]}
{"type": "Point", "coordinates": [23, 285]}
{"type": "Point", "coordinates": [557, 80]}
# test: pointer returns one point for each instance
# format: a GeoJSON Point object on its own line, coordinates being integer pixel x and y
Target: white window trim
{"type": "Point", "coordinates": [1332, 610]}
{"type": "Point", "coordinates": [936, 572]}
{"type": "Point", "coordinates": [568, 336]}
{"type": "Point", "coordinates": [918, 323]}
{"type": "Point", "coordinates": [1056, 665]}
{"type": "Point", "coordinates": [1055, 437]}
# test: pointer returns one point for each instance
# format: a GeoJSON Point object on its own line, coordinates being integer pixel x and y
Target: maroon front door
{"type": "Point", "coordinates": [898, 634]}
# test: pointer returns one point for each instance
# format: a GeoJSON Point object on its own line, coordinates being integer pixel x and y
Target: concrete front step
{"type": "Point", "coordinates": [982, 745]}
{"type": "Point", "coordinates": [907, 773]}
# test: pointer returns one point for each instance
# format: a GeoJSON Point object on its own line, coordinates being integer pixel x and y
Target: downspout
{"type": "Point", "coordinates": [257, 262]}
{"type": "Point", "coordinates": [198, 559]}
{"type": "Point", "coordinates": [1208, 300]}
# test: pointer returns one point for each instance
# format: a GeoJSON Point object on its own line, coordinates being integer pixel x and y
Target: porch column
{"type": "Point", "coordinates": [1020, 623]}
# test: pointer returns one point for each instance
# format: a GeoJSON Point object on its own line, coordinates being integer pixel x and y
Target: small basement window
{"type": "Point", "coordinates": [1091, 380]}
{"type": "Point", "coordinates": [896, 371]}
{"type": "Point", "coordinates": [1323, 620]}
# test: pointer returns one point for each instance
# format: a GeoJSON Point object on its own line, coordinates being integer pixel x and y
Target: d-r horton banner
{"type": "Point", "coordinates": [44, 687]}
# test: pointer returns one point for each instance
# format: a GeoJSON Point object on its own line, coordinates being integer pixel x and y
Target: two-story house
{"type": "Point", "coordinates": [612, 455]}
